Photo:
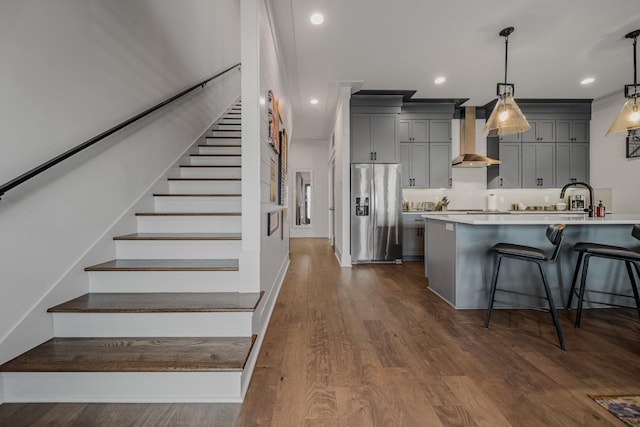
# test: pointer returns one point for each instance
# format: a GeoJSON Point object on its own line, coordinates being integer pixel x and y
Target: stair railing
{"type": "Point", "coordinates": [88, 143]}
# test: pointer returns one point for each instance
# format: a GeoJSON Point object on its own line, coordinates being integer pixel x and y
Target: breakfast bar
{"type": "Point", "coordinates": [459, 261]}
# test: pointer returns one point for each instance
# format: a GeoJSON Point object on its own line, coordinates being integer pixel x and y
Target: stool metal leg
{"type": "Point", "coordinates": [492, 294]}
{"type": "Point", "coordinates": [583, 283]}
{"type": "Point", "coordinates": [575, 279]}
{"type": "Point", "coordinates": [634, 285]}
{"type": "Point", "coordinates": [552, 308]}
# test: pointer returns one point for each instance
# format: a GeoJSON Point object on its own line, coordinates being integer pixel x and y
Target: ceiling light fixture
{"type": "Point", "coordinates": [313, 101]}
{"type": "Point", "coordinates": [629, 117]}
{"type": "Point", "coordinates": [506, 117]}
{"type": "Point", "coordinates": [587, 81]}
{"type": "Point", "coordinates": [439, 80]}
{"type": "Point", "coordinates": [317, 19]}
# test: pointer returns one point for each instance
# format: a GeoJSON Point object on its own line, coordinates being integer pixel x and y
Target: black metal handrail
{"type": "Point", "coordinates": [78, 148]}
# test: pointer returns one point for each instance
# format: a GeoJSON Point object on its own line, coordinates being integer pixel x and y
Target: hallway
{"type": "Point", "coordinates": [370, 345]}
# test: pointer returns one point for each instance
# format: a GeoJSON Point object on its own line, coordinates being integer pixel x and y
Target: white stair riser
{"type": "Point", "coordinates": [122, 386]}
{"type": "Point", "coordinates": [227, 127]}
{"type": "Point", "coordinates": [198, 204]}
{"type": "Point", "coordinates": [230, 121]}
{"type": "Point", "coordinates": [219, 150]}
{"type": "Point", "coordinates": [211, 172]}
{"type": "Point", "coordinates": [222, 141]}
{"type": "Point", "coordinates": [226, 133]}
{"type": "Point", "coordinates": [164, 281]}
{"type": "Point", "coordinates": [146, 249]}
{"type": "Point", "coordinates": [215, 160]}
{"type": "Point", "coordinates": [189, 224]}
{"type": "Point", "coordinates": [220, 324]}
{"type": "Point", "coordinates": [205, 187]}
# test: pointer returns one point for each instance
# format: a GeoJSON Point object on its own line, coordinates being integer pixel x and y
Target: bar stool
{"type": "Point", "coordinates": [585, 252]}
{"type": "Point", "coordinates": [530, 254]}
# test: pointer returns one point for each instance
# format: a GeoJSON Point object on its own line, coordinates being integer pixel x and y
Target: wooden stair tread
{"type": "Point", "coordinates": [166, 265]}
{"type": "Point", "coordinates": [180, 236]}
{"type": "Point", "coordinates": [198, 195]}
{"type": "Point", "coordinates": [184, 302]}
{"type": "Point", "coordinates": [134, 355]}
{"type": "Point", "coordinates": [215, 155]}
{"type": "Point", "coordinates": [209, 166]}
{"type": "Point", "coordinates": [204, 179]}
{"type": "Point", "coordinates": [188, 214]}
{"type": "Point", "coordinates": [220, 146]}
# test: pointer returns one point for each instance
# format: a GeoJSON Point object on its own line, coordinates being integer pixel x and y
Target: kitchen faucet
{"type": "Point", "coordinates": [590, 209]}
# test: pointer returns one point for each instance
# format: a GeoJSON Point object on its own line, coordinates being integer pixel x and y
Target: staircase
{"type": "Point", "coordinates": [165, 321]}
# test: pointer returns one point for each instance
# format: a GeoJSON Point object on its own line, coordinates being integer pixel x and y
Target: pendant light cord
{"type": "Point", "coordinates": [506, 53]}
{"type": "Point", "coordinates": [635, 71]}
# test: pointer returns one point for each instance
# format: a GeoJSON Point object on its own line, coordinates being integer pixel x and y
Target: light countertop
{"type": "Point", "coordinates": [518, 219]}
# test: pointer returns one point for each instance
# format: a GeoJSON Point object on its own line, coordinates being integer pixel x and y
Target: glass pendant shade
{"type": "Point", "coordinates": [506, 118]}
{"type": "Point", "coordinates": [628, 118]}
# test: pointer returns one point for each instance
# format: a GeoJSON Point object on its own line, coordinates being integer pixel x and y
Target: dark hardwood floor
{"type": "Point", "coordinates": [370, 345]}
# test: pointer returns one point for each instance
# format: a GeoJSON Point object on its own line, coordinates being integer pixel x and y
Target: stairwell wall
{"type": "Point", "coordinates": [72, 69]}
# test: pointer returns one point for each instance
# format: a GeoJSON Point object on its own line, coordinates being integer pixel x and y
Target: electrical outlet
{"type": "Point", "coordinates": [501, 199]}
{"type": "Point", "coordinates": [546, 199]}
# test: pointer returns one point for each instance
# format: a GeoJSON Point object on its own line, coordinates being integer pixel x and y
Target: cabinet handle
{"type": "Point", "coordinates": [450, 182]}
{"type": "Point", "coordinates": [375, 155]}
{"type": "Point", "coordinates": [541, 182]}
{"type": "Point", "coordinates": [501, 182]}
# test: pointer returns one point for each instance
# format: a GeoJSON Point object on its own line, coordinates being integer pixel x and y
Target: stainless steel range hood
{"type": "Point", "coordinates": [468, 158]}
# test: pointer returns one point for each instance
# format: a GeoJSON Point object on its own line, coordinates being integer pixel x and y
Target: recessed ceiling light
{"type": "Point", "coordinates": [439, 80]}
{"type": "Point", "coordinates": [313, 101]}
{"type": "Point", "coordinates": [587, 81]}
{"type": "Point", "coordinates": [317, 19]}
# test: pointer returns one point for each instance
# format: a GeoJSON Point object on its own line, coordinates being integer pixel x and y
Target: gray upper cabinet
{"type": "Point", "coordinates": [540, 131]}
{"type": "Point", "coordinates": [439, 130]}
{"type": "Point", "coordinates": [414, 158]}
{"type": "Point", "coordinates": [538, 165]}
{"type": "Point", "coordinates": [374, 138]}
{"type": "Point", "coordinates": [508, 173]}
{"type": "Point", "coordinates": [439, 165]}
{"type": "Point", "coordinates": [572, 162]}
{"type": "Point", "coordinates": [572, 130]}
{"type": "Point", "coordinates": [414, 130]}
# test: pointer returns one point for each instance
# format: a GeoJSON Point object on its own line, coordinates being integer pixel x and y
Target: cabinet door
{"type": "Point", "coordinates": [563, 130]}
{"type": "Point", "coordinates": [385, 138]}
{"type": "Point", "coordinates": [412, 237]}
{"type": "Point", "coordinates": [439, 165]}
{"type": "Point", "coordinates": [529, 175]}
{"type": "Point", "coordinates": [510, 167]}
{"type": "Point", "coordinates": [531, 134]}
{"type": "Point", "coordinates": [439, 130]}
{"type": "Point", "coordinates": [361, 126]}
{"type": "Point", "coordinates": [580, 130]}
{"type": "Point", "coordinates": [419, 130]}
{"type": "Point", "coordinates": [580, 162]}
{"type": "Point", "coordinates": [546, 131]}
{"type": "Point", "coordinates": [405, 130]}
{"type": "Point", "coordinates": [545, 164]}
{"type": "Point", "coordinates": [514, 137]}
{"type": "Point", "coordinates": [405, 162]}
{"type": "Point", "coordinates": [420, 165]}
{"type": "Point", "coordinates": [563, 163]}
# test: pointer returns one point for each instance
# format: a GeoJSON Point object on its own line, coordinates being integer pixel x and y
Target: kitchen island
{"type": "Point", "coordinates": [459, 261]}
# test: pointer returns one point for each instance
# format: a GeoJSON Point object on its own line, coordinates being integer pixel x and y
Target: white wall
{"type": "Point", "coordinates": [72, 69]}
{"type": "Point", "coordinates": [311, 155]}
{"type": "Point", "coordinates": [342, 179]}
{"type": "Point", "coordinates": [609, 165]}
{"type": "Point", "coordinates": [274, 249]}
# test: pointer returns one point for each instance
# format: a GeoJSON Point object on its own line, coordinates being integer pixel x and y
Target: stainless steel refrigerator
{"type": "Point", "coordinates": [376, 213]}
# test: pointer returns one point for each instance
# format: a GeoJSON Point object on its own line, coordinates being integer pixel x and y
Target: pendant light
{"type": "Point", "coordinates": [629, 117]}
{"type": "Point", "coordinates": [506, 117]}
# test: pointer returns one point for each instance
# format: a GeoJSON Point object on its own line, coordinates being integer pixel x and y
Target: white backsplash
{"type": "Point", "coordinates": [469, 191]}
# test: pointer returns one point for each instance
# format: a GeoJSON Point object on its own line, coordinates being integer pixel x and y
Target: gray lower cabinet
{"type": "Point", "coordinates": [412, 237]}
{"type": "Point", "coordinates": [439, 165]}
{"type": "Point", "coordinates": [572, 162]}
{"type": "Point", "coordinates": [414, 158]}
{"type": "Point", "coordinates": [374, 138]}
{"type": "Point", "coordinates": [538, 165]}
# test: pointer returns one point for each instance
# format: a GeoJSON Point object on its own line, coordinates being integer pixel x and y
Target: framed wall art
{"type": "Point", "coordinates": [273, 222]}
{"type": "Point", "coordinates": [633, 143]}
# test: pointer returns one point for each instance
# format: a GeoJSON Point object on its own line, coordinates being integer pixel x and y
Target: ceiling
{"type": "Point", "coordinates": [406, 44]}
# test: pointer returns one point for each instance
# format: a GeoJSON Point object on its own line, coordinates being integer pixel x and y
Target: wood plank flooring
{"type": "Point", "coordinates": [372, 346]}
